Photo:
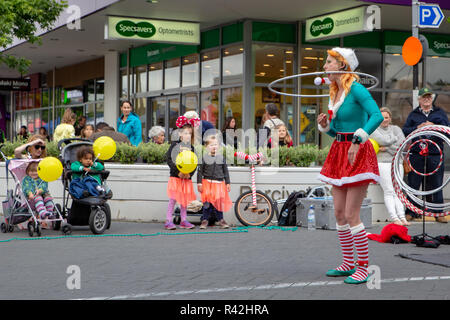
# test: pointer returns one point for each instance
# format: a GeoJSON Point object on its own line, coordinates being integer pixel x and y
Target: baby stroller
{"type": "Point", "coordinates": [91, 211]}
{"type": "Point", "coordinates": [17, 209]}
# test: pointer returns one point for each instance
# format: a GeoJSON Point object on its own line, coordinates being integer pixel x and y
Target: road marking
{"type": "Point", "coordinates": [260, 287]}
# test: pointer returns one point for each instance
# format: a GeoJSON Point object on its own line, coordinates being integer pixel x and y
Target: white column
{"type": "Point", "coordinates": [112, 87]}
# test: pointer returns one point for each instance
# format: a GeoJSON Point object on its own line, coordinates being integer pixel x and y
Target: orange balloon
{"type": "Point", "coordinates": [412, 51]}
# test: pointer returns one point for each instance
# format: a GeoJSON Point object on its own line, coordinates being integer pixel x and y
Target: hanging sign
{"type": "Point", "coordinates": [352, 21]}
{"type": "Point", "coordinates": [152, 30]}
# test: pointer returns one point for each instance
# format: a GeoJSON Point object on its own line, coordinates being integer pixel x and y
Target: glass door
{"type": "Point", "coordinates": [173, 105]}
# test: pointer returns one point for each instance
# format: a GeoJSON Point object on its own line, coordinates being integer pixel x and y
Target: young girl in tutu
{"type": "Point", "coordinates": [213, 182]}
{"type": "Point", "coordinates": [180, 188]}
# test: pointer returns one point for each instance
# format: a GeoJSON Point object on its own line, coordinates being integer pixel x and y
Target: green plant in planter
{"type": "Point", "coordinates": [9, 147]}
{"type": "Point", "coordinates": [302, 155]}
{"type": "Point", "coordinates": [153, 153]}
{"type": "Point", "coordinates": [125, 153]}
{"type": "Point", "coordinates": [52, 149]}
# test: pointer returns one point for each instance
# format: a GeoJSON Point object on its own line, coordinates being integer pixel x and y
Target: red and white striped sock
{"type": "Point", "coordinates": [346, 241]}
{"type": "Point", "coordinates": [362, 249]}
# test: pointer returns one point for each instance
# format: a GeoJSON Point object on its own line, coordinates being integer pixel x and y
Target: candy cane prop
{"type": "Point", "coordinates": [252, 158]}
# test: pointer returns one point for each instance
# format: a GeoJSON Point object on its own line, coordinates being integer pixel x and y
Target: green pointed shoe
{"type": "Point", "coordinates": [350, 280]}
{"type": "Point", "coordinates": [337, 273]}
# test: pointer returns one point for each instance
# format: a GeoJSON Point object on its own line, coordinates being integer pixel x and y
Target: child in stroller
{"type": "Point", "coordinates": [91, 210]}
{"type": "Point", "coordinates": [18, 207]}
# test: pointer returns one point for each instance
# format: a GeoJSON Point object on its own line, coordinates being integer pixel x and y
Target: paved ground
{"type": "Point", "coordinates": [197, 265]}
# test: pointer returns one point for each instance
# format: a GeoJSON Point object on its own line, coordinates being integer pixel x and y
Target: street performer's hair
{"type": "Point", "coordinates": [346, 78]}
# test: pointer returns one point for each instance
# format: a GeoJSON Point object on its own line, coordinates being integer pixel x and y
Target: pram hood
{"type": "Point", "coordinates": [18, 167]}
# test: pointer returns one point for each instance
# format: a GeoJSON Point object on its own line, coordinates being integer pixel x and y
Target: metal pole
{"type": "Point", "coordinates": [53, 98]}
{"type": "Point", "coordinates": [415, 33]}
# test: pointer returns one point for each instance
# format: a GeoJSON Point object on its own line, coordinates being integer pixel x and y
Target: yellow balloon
{"type": "Point", "coordinates": [375, 145]}
{"type": "Point", "coordinates": [186, 161]}
{"type": "Point", "coordinates": [49, 169]}
{"type": "Point", "coordinates": [104, 148]}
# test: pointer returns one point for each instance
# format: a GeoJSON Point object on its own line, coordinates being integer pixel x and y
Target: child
{"type": "Point", "coordinates": [36, 190]}
{"type": "Point", "coordinates": [83, 185]}
{"type": "Point", "coordinates": [180, 188]}
{"type": "Point", "coordinates": [283, 136]}
{"type": "Point", "coordinates": [213, 182]}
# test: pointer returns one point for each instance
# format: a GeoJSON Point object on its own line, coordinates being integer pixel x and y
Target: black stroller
{"type": "Point", "coordinates": [92, 211]}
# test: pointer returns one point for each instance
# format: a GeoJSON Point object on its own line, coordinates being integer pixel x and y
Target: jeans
{"type": "Point", "coordinates": [209, 210]}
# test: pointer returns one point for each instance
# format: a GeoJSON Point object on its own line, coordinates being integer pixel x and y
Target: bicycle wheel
{"type": "Point", "coordinates": [248, 215]}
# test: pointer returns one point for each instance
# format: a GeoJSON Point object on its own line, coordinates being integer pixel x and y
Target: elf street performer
{"type": "Point", "coordinates": [351, 163]}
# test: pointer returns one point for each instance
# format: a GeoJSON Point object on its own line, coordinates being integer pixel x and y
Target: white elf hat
{"type": "Point", "coordinates": [348, 55]}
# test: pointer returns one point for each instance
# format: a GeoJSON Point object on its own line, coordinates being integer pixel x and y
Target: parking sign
{"type": "Point", "coordinates": [430, 16]}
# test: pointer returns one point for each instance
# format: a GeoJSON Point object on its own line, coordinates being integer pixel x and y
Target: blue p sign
{"type": "Point", "coordinates": [430, 16]}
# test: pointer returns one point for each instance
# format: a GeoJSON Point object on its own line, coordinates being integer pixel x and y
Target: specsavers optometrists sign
{"type": "Point", "coordinates": [152, 30]}
{"type": "Point", "coordinates": [360, 19]}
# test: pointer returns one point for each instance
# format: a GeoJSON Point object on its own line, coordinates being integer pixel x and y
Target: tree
{"type": "Point", "coordinates": [20, 19]}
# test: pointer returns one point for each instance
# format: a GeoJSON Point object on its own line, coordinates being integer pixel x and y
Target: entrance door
{"type": "Point", "coordinates": [164, 112]}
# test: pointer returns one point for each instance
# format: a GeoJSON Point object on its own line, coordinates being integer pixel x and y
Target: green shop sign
{"type": "Point", "coordinates": [152, 30]}
{"type": "Point", "coordinates": [438, 44]}
{"type": "Point", "coordinates": [357, 20]}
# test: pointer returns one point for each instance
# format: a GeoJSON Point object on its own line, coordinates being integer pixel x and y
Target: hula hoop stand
{"type": "Point", "coordinates": [402, 190]}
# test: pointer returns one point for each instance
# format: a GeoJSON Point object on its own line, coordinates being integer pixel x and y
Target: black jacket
{"type": "Point", "coordinates": [214, 168]}
{"type": "Point", "coordinates": [416, 117]}
{"type": "Point", "coordinates": [175, 148]}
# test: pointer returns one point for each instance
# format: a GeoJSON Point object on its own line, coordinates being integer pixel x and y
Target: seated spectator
{"type": "Point", "coordinates": [65, 129]}
{"type": "Point", "coordinates": [284, 138]}
{"type": "Point", "coordinates": [35, 148]}
{"type": "Point", "coordinates": [87, 131]}
{"type": "Point", "coordinates": [43, 132]}
{"type": "Point", "coordinates": [103, 129]}
{"type": "Point", "coordinates": [157, 134]}
{"type": "Point", "coordinates": [23, 133]}
{"type": "Point", "coordinates": [80, 125]}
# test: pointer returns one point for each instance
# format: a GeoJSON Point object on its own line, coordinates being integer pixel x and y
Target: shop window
{"type": "Point", "coordinates": [273, 62]}
{"type": "Point", "coordinates": [172, 74]}
{"type": "Point", "coordinates": [31, 96]}
{"type": "Point", "coordinates": [190, 102]}
{"type": "Point", "coordinates": [140, 79]}
{"type": "Point", "coordinates": [438, 77]}
{"type": "Point", "coordinates": [99, 112]}
{"type": "Point", "coordinates": [233, 64]}
{"type": "Point", "coordinates": [401, 105]}
{"type": "Point", "coordinates": [174, 112]}
{"type": "Point", "coordinates": [123, 84]}
{"type": "Point", "coordinates": [398, 75]}
{"type": "Point", "coordinates": [155, 76]}
{"type": "Point", "coordinates": [210, 68]}
{"type": "Point", "coordinates": [158, 112]}
{"type": "Point", "coordinates": [232, 105]}
{"type": "Point", "coordinates": [45, 119]}
{"type": "Point", "coordinates": [210, 106]}
{"type": "Point", "coordinates": [45, 98]}
{"type": "Point", "coordinates": [99, 89]}
{"type": "Point", "coordinates": [30, 122]}
{"type": "Point", "coordinates": [91, 90]}
{"type": "Point", "coordinates": [37, 98]}
{"type": "Point", "coordinates": [369, 62]}
{"type": "Point", "coordinates": [90, 113]}
{"type": "Point", "coordinates": [190, 70]}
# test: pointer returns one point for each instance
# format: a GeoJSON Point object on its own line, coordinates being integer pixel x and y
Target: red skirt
{"type": "Point", "coordinates": [338, 171]}
{"type": "Point", "coordinates": [182, 190]}
{"type": "Point", "coordinates": [216, 193]}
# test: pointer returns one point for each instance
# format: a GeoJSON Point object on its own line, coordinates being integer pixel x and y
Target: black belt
{"type": "Point", "coordinates": [341, 137]}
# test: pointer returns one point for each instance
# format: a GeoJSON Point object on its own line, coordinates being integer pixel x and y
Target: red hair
{"type": "Point", "coordinates": [346, 78]}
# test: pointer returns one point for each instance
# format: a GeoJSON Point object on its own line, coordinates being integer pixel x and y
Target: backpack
{"type": "Point", "coordinates": [291, 207]}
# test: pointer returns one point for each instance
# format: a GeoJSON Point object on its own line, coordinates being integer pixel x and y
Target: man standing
{"type": "Point", "coordinates": [424, 115]}
{"type": "Point", "coordinates": [81, 124]}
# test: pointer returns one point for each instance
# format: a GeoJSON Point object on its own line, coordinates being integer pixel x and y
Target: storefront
{"type": "Point", "coordinates": [215, 79]}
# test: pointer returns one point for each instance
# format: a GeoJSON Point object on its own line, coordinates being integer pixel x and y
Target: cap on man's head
{"type": "Point", "coordinates": [424, 91]}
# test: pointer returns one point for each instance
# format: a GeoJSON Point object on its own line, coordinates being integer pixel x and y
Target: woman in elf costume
{"type": "Point", "coordinates": [351, 163]}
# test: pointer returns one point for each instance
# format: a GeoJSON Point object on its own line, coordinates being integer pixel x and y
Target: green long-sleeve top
{"type": "Point", "coordinates": [77, 166]}
{"type": "Point", "coordinates": [32, 185]}
{"type": "Point", "coordinates": [357, 111]}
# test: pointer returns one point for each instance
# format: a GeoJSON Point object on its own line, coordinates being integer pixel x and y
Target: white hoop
{"type": "Point", "coordinates": [313, 74]}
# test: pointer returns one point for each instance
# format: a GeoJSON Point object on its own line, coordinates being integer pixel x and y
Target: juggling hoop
{"type": "Point", "coordinates": [300, 75]}
{"type": "Point", "coordinates": [402, 189]}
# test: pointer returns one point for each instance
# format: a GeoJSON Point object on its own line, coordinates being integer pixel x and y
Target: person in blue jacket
{"type": "Point", "coordinates": [424, 115]}
{"type": "Point", "coordinates": [129, 123]}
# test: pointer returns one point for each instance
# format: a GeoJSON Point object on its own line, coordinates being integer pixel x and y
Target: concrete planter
{"type": "Point", "coordinates": [140, 189]}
